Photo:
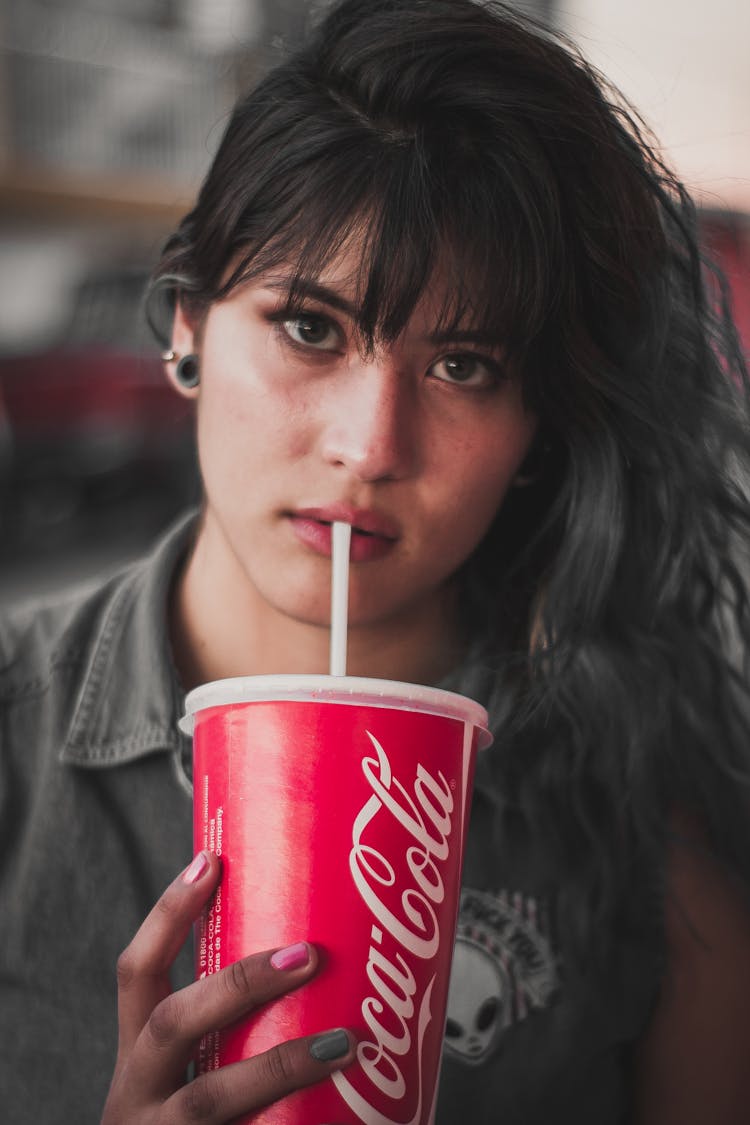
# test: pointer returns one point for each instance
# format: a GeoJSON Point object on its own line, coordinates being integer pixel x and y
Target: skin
{"type": "Point", "coordinates": [290, 415]}
{"type": "Point", "coordinates": [426, 435]}
{"type": "Point", "coordinates": [159, 1032]}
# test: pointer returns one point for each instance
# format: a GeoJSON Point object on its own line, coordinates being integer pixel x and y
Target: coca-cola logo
{"type": "Point", "coordinates": [396, 1015]}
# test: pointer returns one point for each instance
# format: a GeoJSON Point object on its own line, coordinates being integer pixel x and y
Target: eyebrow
{"type": "Point", "coordinates": [317, 292]}
{"type": "Point", "coordinates": [312, 289]}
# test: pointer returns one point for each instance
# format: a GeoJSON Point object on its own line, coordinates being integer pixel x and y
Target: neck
{"type": "Point", "coordinates": [221, 627]}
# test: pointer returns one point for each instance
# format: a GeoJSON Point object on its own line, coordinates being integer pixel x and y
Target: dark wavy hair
{"type": "Point", "coordinates": [610, 596]}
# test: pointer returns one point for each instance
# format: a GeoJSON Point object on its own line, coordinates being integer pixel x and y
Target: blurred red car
{"type": "Point", "coordinates": [92, 424]}
{"type": "Point", "coordinates": [726, 238]}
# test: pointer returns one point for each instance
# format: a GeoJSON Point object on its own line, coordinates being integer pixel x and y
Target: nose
{"type": "Point", "coordinates": [370, 424]}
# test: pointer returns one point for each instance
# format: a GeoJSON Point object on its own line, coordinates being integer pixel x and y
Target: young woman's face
{"type": "Point", "coordinates": [415, 446]}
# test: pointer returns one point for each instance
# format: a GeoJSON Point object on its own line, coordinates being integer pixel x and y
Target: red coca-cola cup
{"type": "Point", "coordinates": [339, 807]}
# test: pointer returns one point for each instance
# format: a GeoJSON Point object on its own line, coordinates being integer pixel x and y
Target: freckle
{"type": "Point", "coordinates": [376, 934]}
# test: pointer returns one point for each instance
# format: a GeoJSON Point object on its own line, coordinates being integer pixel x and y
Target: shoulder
{"type": "Point", "coordinates": [48, 649]}
{"type": "Point", "coordinates": [123, 613]}
{"type": "Point", "coordinates": [86, 678]}
{"type": "Point", "coordinates": [39, 639]}
{"type": "Point", "coordinates": [692, 1063]}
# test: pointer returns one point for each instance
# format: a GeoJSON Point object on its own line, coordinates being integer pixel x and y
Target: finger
{"type": "Point", "coordinates": [173, 1030]}
{"type": "Point", "coordinates": [245, 1087]}
{"type": "Point", "coordinates": [143, 968]}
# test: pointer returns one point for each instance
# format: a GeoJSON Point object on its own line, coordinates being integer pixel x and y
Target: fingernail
{"type": "Point", "coordinates": [292, 957]}
{"type": "Point", "coordinates": [329, 1045]}
{"type": "Point", "coordinates": [193, 872]}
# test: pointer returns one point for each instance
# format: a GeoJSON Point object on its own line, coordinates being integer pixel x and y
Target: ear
{"type": "Point", "coordinates": [184, 342]}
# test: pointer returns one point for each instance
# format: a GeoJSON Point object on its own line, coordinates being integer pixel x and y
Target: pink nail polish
{"type": "Point", "coordinates": [197, 868]}
{"type": "Point", "coordinates": [293, 957]}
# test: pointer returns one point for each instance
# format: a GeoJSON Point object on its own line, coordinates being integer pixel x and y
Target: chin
{"type": "Point", "coordinates": [303, 609]}
{"type": "Point", "coordinates": [318, 613]}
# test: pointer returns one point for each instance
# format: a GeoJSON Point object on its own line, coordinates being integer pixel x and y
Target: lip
{"type": "Point", "coordinates": [361, 519]}
{"type": "Point", "coordinates": [373, 535]}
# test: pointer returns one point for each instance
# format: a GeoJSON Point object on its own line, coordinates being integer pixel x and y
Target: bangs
{"type": "Point", "coordinates": [413, 218]}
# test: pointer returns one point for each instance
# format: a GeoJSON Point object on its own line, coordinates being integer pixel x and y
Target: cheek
{"type": "Point", "coordinates": [248, 412]}
{"type": "Point", "coordinates": [482, 470]}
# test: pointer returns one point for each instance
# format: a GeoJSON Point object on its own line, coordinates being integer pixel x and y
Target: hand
{"type": "Point", "coordinates": [159, 1030]}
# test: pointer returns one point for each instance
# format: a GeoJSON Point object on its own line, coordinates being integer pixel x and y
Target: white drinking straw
{"type": "Point", "coordinates": [342, 537]}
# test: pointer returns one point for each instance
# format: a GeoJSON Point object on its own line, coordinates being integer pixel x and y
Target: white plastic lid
{"type": "Point", "coordinates": [353, 690]}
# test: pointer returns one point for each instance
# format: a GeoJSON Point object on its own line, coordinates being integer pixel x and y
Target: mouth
{"type": "Point", "coordinates": [373, 536]}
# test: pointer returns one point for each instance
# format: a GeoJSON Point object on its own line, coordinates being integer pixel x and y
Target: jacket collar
{"type": "Point", "coordinates": [130, 698]}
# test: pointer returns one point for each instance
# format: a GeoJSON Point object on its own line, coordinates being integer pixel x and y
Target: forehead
{"type": "Point", "coordinates": [389, 262]}
{"type": "Point", "coordinates": [445, 299]}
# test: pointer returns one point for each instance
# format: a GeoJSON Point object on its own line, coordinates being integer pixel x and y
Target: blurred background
{"type": "Point", "coordinates": [110, 111]}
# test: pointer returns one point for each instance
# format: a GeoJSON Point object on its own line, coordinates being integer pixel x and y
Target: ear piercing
{"type": "Point", "coordinates": [187, 372]}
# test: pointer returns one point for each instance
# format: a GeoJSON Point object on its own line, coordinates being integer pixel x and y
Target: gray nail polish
{"type": "Point", "coordinates": [329, 1045]}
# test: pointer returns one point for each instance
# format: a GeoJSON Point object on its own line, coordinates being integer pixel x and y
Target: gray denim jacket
{"type": "Point", "coordinates": [95, 820]}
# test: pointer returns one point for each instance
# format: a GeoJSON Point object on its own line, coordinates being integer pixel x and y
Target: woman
{"type": "Point", "coordinates": [437, 285]}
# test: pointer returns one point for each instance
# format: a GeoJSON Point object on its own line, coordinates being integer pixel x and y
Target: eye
{"type": "Point", "coordinates": [467, 370]}
{"type": "Point", "coordinates": [487, 1014]}
{"type": "Point", "coordinates": [312, 330]}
